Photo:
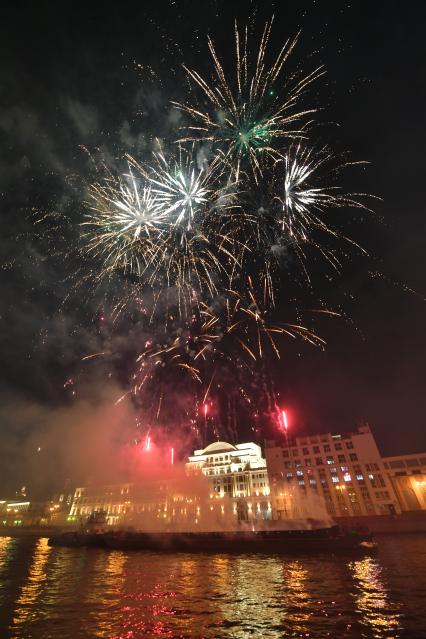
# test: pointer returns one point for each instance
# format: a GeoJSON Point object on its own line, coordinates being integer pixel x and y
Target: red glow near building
{"type": "Point", "coordinates": [284, 420]}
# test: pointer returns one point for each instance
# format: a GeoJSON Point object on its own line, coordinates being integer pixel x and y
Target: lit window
{"type": "Point", "coordinates": [344, 469]}
{"type": "Point", "coordinates": [335, 480]}
{"type": "Point", "coordinates": [347, 477]}
{"type": "Point", "coordinates": [330, 460]}
{"type": "Point", "coordinates": [360, 477]}
{"type": "Point", "coordinates": [301, 482]}
{"type": "Point", "coordinates": [299, 473]}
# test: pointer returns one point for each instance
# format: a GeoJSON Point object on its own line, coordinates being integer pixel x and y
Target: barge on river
{"type": "Point", "coordinates": [330, 540]}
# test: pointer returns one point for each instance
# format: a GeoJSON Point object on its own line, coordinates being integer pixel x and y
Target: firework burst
{"type": "Point", "coordinates": [202, 236]}
{"type": "Point", "coordinates": [249, 114]}
{"type": "Point", "coordinates": [125, 224]}
{"type": "Point", "coordinates": [182, 189]}
{"type": "Point", "coordinates": [302, 193]}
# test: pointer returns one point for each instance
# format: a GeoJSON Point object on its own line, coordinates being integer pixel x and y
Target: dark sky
{"type": "Point", "coordinates": [69, 77]}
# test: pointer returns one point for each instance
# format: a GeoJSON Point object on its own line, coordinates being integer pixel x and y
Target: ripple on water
{"type": "Point", "coordinates": [60, 593]}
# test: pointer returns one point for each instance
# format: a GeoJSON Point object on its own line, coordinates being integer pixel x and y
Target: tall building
{"type": "Point", "coordinates": [345, 472]}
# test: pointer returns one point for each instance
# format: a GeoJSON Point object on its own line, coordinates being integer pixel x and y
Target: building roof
{"type": "Point", "coordinates": [218, 447]}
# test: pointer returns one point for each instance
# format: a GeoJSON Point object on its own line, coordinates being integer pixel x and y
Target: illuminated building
{"type": "Point", "coordinates": [345, 472]}
{"type": "Point", "coordinates": [314, 476]}
{"type": "Point", "coordinates": [16, 512]}
{"type": "Point", "coordinates": [122, 502]}
{"type": "Point", "coordinates": [222, 483]}
{"type": "Point", "coordinates": [237, 472]}
{"type": "Point", "coordinates": [408, 477]}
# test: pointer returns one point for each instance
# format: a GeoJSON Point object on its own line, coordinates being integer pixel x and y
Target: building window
{"type": "Point", "coordinates": [353, 457]}
{"type": "Point", "coordinates": [412, 462]}
{"type": "Point", "coordinates": [285, 453]}
{"type": "Point", "coordinates": [289, 475]}
{"type": "Point", "coordinates": [347, 477]}
{"type": "Point", "coordinates": [330, 460]}
{"type": "Point", "coordinates": [313, 482]}
{"type": "Point", "coordinates": [305, 451]}
{"type": "Point", "coordinates": [335, 479]}
{"type": "Point", "coordinates": [316, 449]}
{"type": "Point", "coordinates": [308, 462]}
{"type": "Point", "coordinates": [287, 464]}
{"type": "Point", "coordinates": [360, 477]}
{"type": "Point", "coordinates": [344, 469]}
{"type": "Point", "coordinates": [341, 459]}
{"type": "Point", "coordinates": [297, 463]}
{"type": "Point", "coordinates": [299, 473]}
{"type": "Point", "coordinates": [294, 452]}
{"type": "Point", "coordinates": [349, 445]}
{"type": "Point", "coordinates": [327, 448]}
{"type": "Point", "coordinates": [338, 446]}
{"type": "Point", "coordinates": [318, 461]}
{"type": "Point", "coordinates": [301, 482]}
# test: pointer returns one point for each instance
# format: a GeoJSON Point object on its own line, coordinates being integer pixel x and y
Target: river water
{"type": "Point", "coordinates": [76, 592]}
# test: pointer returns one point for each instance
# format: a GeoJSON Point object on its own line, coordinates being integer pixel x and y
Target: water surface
{"type": "Point", "coordinates": [51, 592]}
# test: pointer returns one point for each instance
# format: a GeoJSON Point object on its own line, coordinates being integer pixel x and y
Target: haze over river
{"type": "Point", "coordinates": [68, 593]}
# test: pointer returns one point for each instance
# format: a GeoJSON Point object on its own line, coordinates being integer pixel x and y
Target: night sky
{"type": "Point", "coordinates": [70, 77]}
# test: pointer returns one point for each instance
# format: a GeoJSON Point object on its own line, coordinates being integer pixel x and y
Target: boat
{"type": "Point", "coordinates": [330, 539]}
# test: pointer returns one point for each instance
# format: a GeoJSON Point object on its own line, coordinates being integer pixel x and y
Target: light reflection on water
{"type": "Point", "coordinates": [26, 609]}
{"type": "Point", "coordinates": [76, 593]}
{"type": "Point", "coordinates": [372, 599]}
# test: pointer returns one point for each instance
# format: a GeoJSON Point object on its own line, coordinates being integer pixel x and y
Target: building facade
{"type": "Point", "coordinates": [343, 472]}
{"type": "Point", "coordinates": [408, 476]}
{"type": "Point", "coordinates": [222, 484]}
{"type": "Point", "coordinates": [237, 472]}
{"type": "Point", "coordinates": [337, 475]}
